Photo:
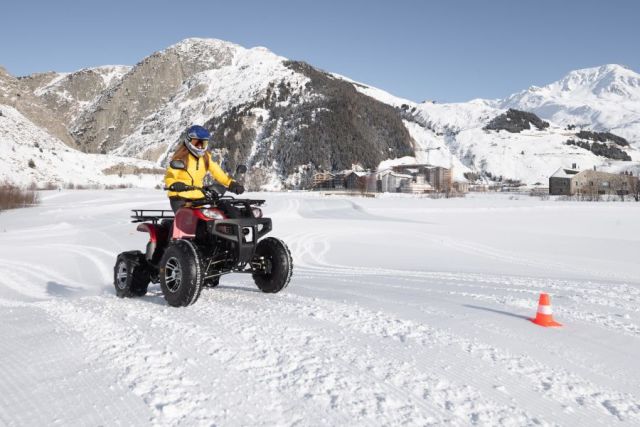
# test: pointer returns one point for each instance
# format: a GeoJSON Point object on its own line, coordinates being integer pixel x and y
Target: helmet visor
{"type": "Point", "coordinates": [200, 143]}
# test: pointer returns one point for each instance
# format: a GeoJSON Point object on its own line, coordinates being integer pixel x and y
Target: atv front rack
{"type": "Point", "coordinates": [153, 215]}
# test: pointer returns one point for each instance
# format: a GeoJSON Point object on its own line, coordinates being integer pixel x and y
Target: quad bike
{"type": "Point", "coordinates": [206, 239]}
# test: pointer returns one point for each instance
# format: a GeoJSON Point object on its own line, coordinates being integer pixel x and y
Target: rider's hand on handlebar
{"type": "Point", "coordinates": [179, 186]}
{"type": "Point", "coordinates": [234, 187]}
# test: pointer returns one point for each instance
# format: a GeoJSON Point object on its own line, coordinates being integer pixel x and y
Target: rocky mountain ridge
{"type": "Point", "coordinates": [13, 93]}
{"type": "Point", "coordinates": [281, 116]}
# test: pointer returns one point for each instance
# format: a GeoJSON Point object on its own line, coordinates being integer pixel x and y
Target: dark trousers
{"type": "Point", "coordinates": [177, 204]}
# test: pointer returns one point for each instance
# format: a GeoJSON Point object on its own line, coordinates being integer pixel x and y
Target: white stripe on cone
{"type": "Point", "coordinates": [544, 309]}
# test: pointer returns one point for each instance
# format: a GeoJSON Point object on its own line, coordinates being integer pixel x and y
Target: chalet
{"type": "Point", "coordinates": [355, 180]}
{"type": "Point", "coordinates": [323, 180]}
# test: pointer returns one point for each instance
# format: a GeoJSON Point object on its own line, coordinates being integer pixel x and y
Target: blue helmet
{"type": "Point", "coordinates": [197, 132]}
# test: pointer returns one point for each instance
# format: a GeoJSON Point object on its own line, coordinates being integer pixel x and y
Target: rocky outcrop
{"type": "Point", "coordinates": [19, 96]}
{"type": "Point", "coordinates": [515, 121]}
{"type": "Point", "coordinates": [147, 87]}
{"type": "Point", "coordinates": [70, 94]}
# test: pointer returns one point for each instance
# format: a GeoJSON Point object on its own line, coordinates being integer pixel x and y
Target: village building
{"type": "Point", "coordinates": [560, 182]}
{"type": "Point", "coordinates": [414, 179]}
{"type": "Point", "coordinates": [439, 178]}
{"type": "Point", "coordinates": [355, 180]}
{"type": "Point", "coordinates": [390, 181]}
{"type": "Point", "coordinates": [569, 182]}
{"type": "Point", "coordinates": [461, 186]}
{"type": "Point", "coordinates": [323, 180]}
{"type": "Point", "coordinates": [417, 185]}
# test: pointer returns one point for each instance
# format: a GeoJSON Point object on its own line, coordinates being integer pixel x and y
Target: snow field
{"type": "Point", "coordinates": [401, 311]}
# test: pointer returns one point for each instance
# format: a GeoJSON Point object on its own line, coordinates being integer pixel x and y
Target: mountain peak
{"type": "Point", "coordinates": [584, 86]}
{"type": "Point", "coordinates": [609, 79]}
{"type": "Point", "coordinates": [200, 43]}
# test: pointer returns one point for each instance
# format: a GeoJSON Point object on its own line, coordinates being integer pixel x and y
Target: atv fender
{"type": "Point", "coordinates": [157, 240]}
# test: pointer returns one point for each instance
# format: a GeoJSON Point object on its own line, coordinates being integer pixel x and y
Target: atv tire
{"type": "Point", "coordinates": [279, 265]}
{"type": "Point", "coordinates": [131, 275]}
{"type": "Point", "coordinates": [181, 273]}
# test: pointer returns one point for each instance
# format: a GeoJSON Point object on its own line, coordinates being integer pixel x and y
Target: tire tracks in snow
{"type": "Point", "coordinates": [578, 398]}
{"type": "Point", "coordinates": [398, 363]}
{"type": "Point", "coordinates": [46, 380]}
{"type": "Point", "coordinates": [311, 248]}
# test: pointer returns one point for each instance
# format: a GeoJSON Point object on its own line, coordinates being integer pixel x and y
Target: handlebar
{"type": "Point", "coordinates": [210, 191]}
{"type": "Point", "coordinates": [211, 195]}
{"type": "Point", "coordinates": [190, 188]}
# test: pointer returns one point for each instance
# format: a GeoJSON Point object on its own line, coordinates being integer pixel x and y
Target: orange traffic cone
{"type": "Point", "coordinates": [544, 316]}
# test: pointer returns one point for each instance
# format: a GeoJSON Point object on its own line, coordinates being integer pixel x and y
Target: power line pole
{"type": "Point", "coordinates": [428, 150]}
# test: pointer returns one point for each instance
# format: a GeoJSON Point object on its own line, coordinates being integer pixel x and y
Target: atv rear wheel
{"type": "Point", "coordinates": [276, 259]}
{"type": "Point", "coordinates": [131, 275]}
{"type": "Point", "coordinates": [181, 273]}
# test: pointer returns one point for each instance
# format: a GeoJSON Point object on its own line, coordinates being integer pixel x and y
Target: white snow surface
{"type": "Point", "coordinates": [54, 162]}
{"type": "Point", "coordinates": [401, 311]}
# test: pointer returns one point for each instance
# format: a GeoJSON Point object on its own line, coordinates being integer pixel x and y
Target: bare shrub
{"type": "Point", "coordinates": [49, 186]}
{"type": "Point", "coordinates": [123, 169]}
{"type": "Point", "coordinates": [12, 197]}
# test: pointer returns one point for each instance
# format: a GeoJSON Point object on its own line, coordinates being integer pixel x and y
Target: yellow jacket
{"type": "Point", "coordinates": [196, 167]}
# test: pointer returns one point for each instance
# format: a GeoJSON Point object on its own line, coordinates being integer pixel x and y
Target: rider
{"type": "Point", "coordinates": [193, 152]}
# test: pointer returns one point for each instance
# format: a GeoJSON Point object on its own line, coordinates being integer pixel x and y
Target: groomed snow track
{"type": "Point", "coordinates": [400, 312]}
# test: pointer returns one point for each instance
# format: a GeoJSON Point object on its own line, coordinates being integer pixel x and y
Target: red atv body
{"type": "Point", "coordinates": [205, 240]}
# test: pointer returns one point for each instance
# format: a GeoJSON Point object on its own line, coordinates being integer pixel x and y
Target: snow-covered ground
{"type": "Point", "coordinates": [401, 311]}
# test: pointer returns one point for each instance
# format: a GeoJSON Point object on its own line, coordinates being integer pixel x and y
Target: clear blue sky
{"type": "Point", "coordinates": [447, 50]}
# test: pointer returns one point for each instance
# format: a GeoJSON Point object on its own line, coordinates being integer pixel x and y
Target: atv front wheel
{"type": "Point", "coordinates": [181, 274]}
{"type": "Point", "coordinates": [277, 265]}
{"type": "Point", "coordinates": [130, 275]}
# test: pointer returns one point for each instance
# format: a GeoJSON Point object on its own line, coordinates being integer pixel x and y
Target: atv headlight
{"type": "Point", "coordinates": [257, 212]}
{"type": "Point", "coordinates": [212, 213]}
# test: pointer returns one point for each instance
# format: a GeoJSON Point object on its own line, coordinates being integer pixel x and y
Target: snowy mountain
{"type": "Point", "coordinates": [605, 98]}
{"type": "Point", "coordinates": [274, 114]}
{"type": "Point", "coordinates": [286, 118]}
{"type": "Point", "coordinates": [458, 131]}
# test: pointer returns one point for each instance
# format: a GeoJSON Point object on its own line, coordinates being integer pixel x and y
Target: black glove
{"type": "Point", "coordinates": [234, 187]}
{"type": "Point", "coordinates": [178, 186]}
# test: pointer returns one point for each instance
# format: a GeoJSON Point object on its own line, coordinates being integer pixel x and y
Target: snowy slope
{"type": "Point", "coordinates": [529, 156]}
{"type": "Point", "coordinates": [431, 330]}
{"type": "Point", "coordinates": [55, 163]}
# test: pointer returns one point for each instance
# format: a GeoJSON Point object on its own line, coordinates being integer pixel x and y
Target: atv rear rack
{"type": "Point", "coordinates": [153, 215]}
